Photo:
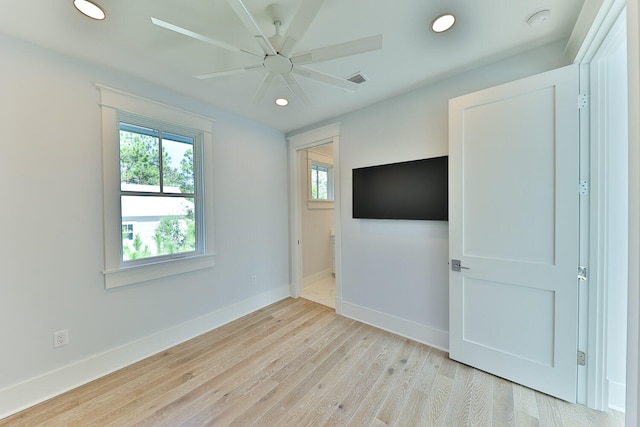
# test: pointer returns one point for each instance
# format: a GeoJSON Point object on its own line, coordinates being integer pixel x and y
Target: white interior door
{"type": "Point", "coordinates": [513, 221]}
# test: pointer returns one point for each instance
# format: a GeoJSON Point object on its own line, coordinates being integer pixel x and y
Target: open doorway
{"type": "Point", "coordinates": [314, 179]}
{"type": "Point", "coordinates": [316, 174]}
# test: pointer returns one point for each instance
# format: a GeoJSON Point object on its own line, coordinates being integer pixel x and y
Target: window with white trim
{"type": "Point", "coordinates": [159, 191]}
{"type": "Point", "coordinates": [321, 181]}
{"type": "Point", "coordinates": [157, 183]}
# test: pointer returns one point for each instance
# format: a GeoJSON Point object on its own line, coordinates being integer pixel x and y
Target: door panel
{"type": "Point", "coordinates": [528, 333]}
{"type": "Point", "coordinates": [513, 183]}
{"type": "Point", "coordinates": [523, 149]}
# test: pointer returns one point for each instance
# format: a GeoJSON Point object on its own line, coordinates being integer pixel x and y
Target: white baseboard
{"type": "Point", "coordinates": [617, 396]}
{"type": "Point", "coordinates": [23, 395]}
{"type": "Point", "coordinates": [339, 305]}
{"type": "Point", "coordinates": [406, 328]}
{"type": "Point", "coordinates": [315, 278]}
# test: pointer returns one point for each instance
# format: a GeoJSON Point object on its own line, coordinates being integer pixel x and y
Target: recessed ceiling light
{"type": "Point", "coordinates": [539, 18]}
{"type": "Point", "coordinates": [443, 23]}
{"type": "Point", "coordinates": [90, 9]}
{"type": "Point", "coordinates": [282, 102]}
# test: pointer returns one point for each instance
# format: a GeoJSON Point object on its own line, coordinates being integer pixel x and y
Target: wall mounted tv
{"type": "Point", "coordinates": [417, 190]}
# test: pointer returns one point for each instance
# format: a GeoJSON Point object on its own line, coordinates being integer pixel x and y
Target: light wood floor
{"type": "Point", "coordinates": [296, 363]}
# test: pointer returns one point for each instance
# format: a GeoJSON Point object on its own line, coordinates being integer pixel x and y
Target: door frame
{"type": "Point", "coordinates": [295, 143]}
{"type": "Point", "coordinates": [592, 378]}
{"type": "Point", "coordinates": [633, 293]}
{"type": "Point", "coordinates": [602, 398]}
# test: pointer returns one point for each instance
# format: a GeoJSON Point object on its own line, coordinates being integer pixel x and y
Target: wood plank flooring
{"type": "Point", "coordinates": [296, 363]}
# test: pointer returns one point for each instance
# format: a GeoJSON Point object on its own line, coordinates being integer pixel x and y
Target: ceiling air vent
{"type": "Point", "coordinates": [358, 78]}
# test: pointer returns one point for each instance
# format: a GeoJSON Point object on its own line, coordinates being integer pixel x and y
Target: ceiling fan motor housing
{"type": "Point", "coordinates": [277, 64]}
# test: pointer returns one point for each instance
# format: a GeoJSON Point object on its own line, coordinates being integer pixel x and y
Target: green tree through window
{"type": "Point", "coordinates": [319, 182]}
{"type": "Point", "coordinates": [157, 192]}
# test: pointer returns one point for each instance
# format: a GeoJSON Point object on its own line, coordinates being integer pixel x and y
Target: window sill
{"type": "Point", "coordinates": [142, 273]}
{"type": "Point", "coordinates": [320, 204]}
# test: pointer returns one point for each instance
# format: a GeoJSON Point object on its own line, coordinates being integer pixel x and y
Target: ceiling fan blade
{"type": "Point", "coordinates": [295, 87]}
{"type": "Point", "coordinates": [327, 79]}
{"type": "Point", "coordinates": [304, 16]}
{"type": "Point", "coordinates": [228, 72]}
{"type": "Point", "coordinates": [247, 20]}
{"type": "Point", "coordinates": [193, 35]}
{"type": "Point", "coordinates": [340, 50]}
{"type": "Point", "coordinates": [264, 87]}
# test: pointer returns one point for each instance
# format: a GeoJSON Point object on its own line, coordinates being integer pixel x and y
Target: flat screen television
{"type": "Point", "coordinates": [414, 190]}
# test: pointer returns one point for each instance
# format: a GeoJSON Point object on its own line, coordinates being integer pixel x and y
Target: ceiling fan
{"type": "Point", "coordinates": [278, 56]}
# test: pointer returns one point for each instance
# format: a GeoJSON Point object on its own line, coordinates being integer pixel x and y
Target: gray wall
{"type": "Point", "coordinates": [395, 273]}
{"type": "Point", "coordinates": [51, 257]}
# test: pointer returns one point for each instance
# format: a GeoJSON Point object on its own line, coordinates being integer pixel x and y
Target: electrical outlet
{"type": "Point", "coordinates": [254, 280]}
{"type": "Point", "coordinates": [61, 338]}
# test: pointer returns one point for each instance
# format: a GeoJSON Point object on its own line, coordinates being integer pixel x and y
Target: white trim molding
{"type": "Point", "coordinates": [616, 397]}
{"type": "Point", "coordinates": [405, 328]}
{"type": "Point", "coordinates": [633, 312]}
{"type": "Point", "coordinates": [317, 277]}
{"type": "Point", "coordinates": [603, 35]}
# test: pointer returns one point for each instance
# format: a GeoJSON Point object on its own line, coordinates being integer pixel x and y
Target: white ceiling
{"type": "Point", "coordinates": [412, 55]}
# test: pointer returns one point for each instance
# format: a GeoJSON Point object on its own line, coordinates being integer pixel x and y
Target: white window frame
{"type": "Point", "coordinates": [116, 105]}
{"type": "Point", "coordinates": [196, 136]}
{"type": "Point", "coordinates": [323, 161]}
{"type": "Point", "coordinates": [329, 168]}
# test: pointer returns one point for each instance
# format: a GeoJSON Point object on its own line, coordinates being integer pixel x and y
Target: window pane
{"type": "Point", "coordinates": [139, 157]}
{"type": "Point", "coordinates": [314, 182]}
{"type": "Point", "coordinates": [164, 226]}
{"type": "Point", "coordinates": [323, 183]}
{"type": "Point", "coordinates": [177, 164]}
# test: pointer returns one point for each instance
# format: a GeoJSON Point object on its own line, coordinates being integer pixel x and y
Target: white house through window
{"type": "Point", "coordinates": [127, 232]}
{"type": "Point", "coordinates": [157, 192]}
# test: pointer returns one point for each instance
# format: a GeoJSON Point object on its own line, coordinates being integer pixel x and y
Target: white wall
{"type": "Point", "coordinates": [395, 273]}
{"type": "Point", "coordinates": [317, 222]}
{"type": "Point", "coordinates": [51, 256]}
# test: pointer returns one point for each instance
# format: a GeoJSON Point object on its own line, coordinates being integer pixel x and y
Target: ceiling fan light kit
{"type": "Point", "coordinates": [443, 23]}
{"type": "Point", "coordinates": [90, 9]}
{"type": "Point", "coordinates": [278, 58]}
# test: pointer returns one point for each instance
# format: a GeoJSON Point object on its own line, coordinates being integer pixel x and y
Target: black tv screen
{"type": "Point", "coordinates": [416, 189]}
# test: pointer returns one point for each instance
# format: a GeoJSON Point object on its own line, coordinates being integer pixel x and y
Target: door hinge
{"type": "Point", "coordinates": [583, 187]}
{"type": "Point", "coordinates": [582, 358]}
{"type": "Point", "coordinates": [582, 100]}
{"type": "Point", "coordinates": [582, 273]}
